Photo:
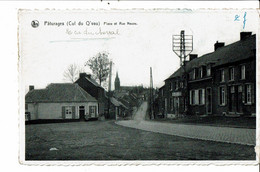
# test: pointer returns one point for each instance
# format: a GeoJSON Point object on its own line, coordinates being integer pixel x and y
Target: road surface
{"type": "Point", "coordinates": [221, 134]}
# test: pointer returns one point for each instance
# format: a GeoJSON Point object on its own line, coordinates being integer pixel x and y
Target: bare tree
{"type": "Point", "coordinates": [99, 65]}
{"type": "Point", "coordinates": [71, 74]}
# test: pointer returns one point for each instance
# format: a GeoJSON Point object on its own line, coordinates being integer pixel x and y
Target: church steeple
{"type": "Point", "coordinates": [117, 82]}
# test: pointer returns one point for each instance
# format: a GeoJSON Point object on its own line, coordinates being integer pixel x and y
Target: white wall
{"type": "Point", "coordinates": [54, 110]}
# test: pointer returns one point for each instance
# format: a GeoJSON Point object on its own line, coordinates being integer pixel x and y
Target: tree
{"type": "Point", "coordinates": [72, 72]}
{"type": "Point", "coordinates": [99, 65]}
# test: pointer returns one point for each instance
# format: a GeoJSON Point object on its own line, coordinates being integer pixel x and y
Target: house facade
{"type": "Point", "coordinates": [219, 83]}
{"type": "Point", "coordinates": [161, 102]}
{"type": "Point", "coordinates": [60, 102]}
{"type": "Point", "coordinates": [95, 90]}
{"type": "Point", "coordinates": [117, 109]}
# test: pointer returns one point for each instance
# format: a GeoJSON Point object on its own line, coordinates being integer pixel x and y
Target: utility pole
{"type": "Point", "coordinates": [151, 94]}
{"type": "Point", "coordinates": [182, 46]}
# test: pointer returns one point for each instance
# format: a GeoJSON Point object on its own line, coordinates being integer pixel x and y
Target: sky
{"type": "Point", "coordinates": [47, 50]}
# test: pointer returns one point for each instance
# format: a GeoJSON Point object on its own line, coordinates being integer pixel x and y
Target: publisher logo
{"type": "Point", "coordinates": [35, 23]}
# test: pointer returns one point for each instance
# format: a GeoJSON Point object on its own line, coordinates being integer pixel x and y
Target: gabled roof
{"type": "Point", "coordinates": [93, 82]}
{"type": "Point", "coordinates": [234, 52]}
{"type": "Point", "coordinates": [61, 92]}
{"type": "Point", "coordinates": [116, 102]}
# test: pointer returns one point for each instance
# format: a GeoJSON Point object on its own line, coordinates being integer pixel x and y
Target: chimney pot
{"type": "Point", "coordinates": [193, 56]}
{"type": "Point", "coordinates": [31, 87]}
{"type": "Point", "coordinates": [244, 35]}
{"type": "Point", "coordinates": [82, 75]}
{"type": "Point", "coordinates": [218, 45]}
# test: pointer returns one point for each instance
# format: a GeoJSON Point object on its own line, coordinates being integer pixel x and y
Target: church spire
{"type": "Point", "coordinates": [117, 82]}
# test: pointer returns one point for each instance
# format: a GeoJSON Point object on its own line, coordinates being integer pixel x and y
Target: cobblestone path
{"type": "Point", "coordinates": [221, 134]}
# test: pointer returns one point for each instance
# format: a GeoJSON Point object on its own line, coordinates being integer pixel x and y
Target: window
{"type": "Point", "coordinates": [208, 71]}
{"type": "Point", "coordinates": [176, 85]}
{"type": "Point", "coordinates": [222, 95]}
{"type": "Point", "coordinates": [249, 94]}
{"type": "Point", "coordinates": [232, 89]}
{"type": "Point", "coordinates": [171, 101]}
{"type": "Point", "coordinates": [240, 89]}
{"type": "Point", "coordinates": [201, 97]}
{"type": "Point", "coordinates": [222, 73]}
{"type": "Point", "coordinates": [191, 75]}
{"type": "Point", "coordinates": [92, 110]}
{"type": "Point", "coordinates": [68, 112]}
{"type": "Point", "coordinates": [194, 74]}
{"type": "Point", "coordinates": [181, 84]}
{"type": "Point", "coordinates": [201, 72]}
{"type": "Point", "coordinates": [197, 97]}
{"type": "Point", "coordinates": [231, 74]}
{"type": "Point", "coordinates": [243, 72]}
{"type": "Point", "coordinates": [26, 106]}
{"type": "Point", "coordinates": [170, 86]}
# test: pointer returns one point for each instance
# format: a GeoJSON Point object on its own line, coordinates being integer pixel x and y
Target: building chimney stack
{"type": "Point", "coordinates": [82, 75]}
{"type": "Point", "coordinates": [31, 87]}
{"type": "Point", "coordinates": [193, 56]}
{"type": "Point", "coordinates": [244, 35]}
{"type": "Point", "coordinates": [218, 45]}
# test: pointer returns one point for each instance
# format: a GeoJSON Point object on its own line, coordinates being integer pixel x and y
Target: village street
{"type": "Point", "coordinates": [105, 140]}
{"type": "Point", "coordinates": [221, 134]}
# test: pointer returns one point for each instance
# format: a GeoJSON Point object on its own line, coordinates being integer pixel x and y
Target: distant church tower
{"type": "Point", "coordinates": [117, 82]}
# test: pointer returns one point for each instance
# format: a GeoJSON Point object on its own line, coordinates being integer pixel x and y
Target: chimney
{"type": "Point", "coordinates": [218, 45]}
{"type": "Point", "coordinates": [82, 75]}
{"type": "Point", "coordinates": [31, 87]}
{"type": "Point", "coordinates": [193, 56]}
{"type": "Point", "coordinates": [244, 35]}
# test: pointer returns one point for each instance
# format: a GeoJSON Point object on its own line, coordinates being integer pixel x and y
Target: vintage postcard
{"type": "Point", "coordinates": [154, 86]}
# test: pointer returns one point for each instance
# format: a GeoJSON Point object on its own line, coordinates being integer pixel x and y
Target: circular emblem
{"type": "Point", "coordinates": [35, 23]}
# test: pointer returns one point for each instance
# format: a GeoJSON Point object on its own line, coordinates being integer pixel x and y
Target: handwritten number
{"type": "Point", "coordinates": [244, 22]}
{"type": "Point", "coordinates": [236, 18]}
{"type": "Point", "coordinates": [244, 19]}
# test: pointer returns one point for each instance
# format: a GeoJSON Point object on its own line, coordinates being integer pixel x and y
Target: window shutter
{"type": "Point", "coordinates": [73, 112]}
{"type": "Point", "coordinates": [226, 95]}
{"type": "Point", "coordinates": [219, 95]}
{"type": "Point", "coordinates": [203, 96]}
{"type": "Point", "coordinates": [240, 72]}
{"type": "Point", "coordinates": [253, 93]}
{"type": "Point", "coordinates": [190, 97]}
{"type": "Point", "coordinates": [204, 71]}
{"type": "Point", "coordinates": [243, 93]}
{"type": "Point", "coordinates": [63, 112]}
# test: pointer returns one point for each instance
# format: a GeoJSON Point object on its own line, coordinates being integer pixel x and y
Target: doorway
{"type": "Point", "coordinates": [82, 113]}
{"type": "Point", "coordinates": [208, 101]}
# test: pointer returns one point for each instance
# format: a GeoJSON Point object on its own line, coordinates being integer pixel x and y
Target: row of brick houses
{"type": "Point", "coordinates": [219, 83]}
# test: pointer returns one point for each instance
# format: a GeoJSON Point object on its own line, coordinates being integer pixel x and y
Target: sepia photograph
{"type": "Point", "coordinates": [173, 85]}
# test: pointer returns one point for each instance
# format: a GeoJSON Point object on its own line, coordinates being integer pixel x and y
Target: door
{"type": "Point", "coordinates": [208, 101]}
{"type": "Point", "coordinates": [165, 108]}
{"type": "Point", "coordinates": [239, 99]}
{"type": "Point", "coordinates": [232, 99]}
{"type": "Point", "coordinates": [82, 113]}
{"type": "Point", "coordinates": [176, 105]}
